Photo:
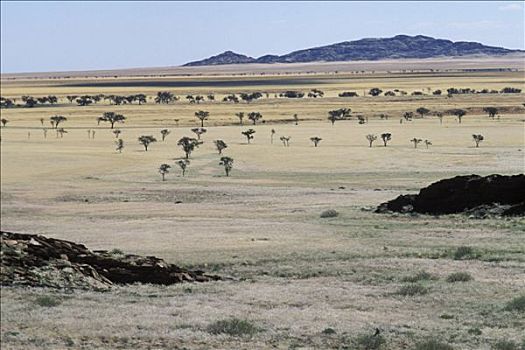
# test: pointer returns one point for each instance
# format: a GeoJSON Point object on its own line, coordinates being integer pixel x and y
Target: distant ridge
{"type": "Point", "coordinates": [399, 46]}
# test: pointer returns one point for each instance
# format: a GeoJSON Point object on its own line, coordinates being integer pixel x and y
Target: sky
{"type": "Point", "coordinates": [65, 36]}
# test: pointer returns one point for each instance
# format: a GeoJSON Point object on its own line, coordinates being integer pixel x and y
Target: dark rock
{"type": "Point", "coordinates": [36, 260]}
{"type": "Point", "coordinates": [491, 195]}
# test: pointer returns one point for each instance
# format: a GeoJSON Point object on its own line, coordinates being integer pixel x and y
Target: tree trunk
{"type": "Point", "coordinates": [202, 125]}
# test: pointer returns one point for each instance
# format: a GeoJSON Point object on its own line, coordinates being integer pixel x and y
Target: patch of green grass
{"type": "Point", "coordinates": [412, 289]}
{"type": "Point", "coordinates": [420, 276]}
{"type": "Point", "coordinates": [516, 304]}
{"type": "Point", "coordinates": [459, 277]}
{"type": "Point", "coordinates": [47, 301]}
{"type": "Point", "coordinates": [433, 344]}
{"type": "Point", "coordinates": [234, 327]}
{"type": "Point", "coordinates": [370, 342]}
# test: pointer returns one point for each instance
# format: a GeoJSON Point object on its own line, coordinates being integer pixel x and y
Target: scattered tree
{"type": "Point", "coordinates": [386, 137]}
{"type": "Point", "coordinates": [112, 118]}
{"type": "Point", "coordinates": [120, 145]}
{"type": "Point", "coordinates": [165, 97]}
{"type": "Point", "coordinates": [460, 113]}
{"type": "Point", "coordinates": [428, 143]}
{"type": "Point", "coordinates": [227, 162]}
{"type": "Point", "coordinates": [416, 141]}
{"type": "Point", "coordinates": [183, 164]}
{"type": "Point", "coordinates": [164, 133]}
{"type": "Point", "coordinates": [371, 138]}
{"type": "Point", "coordinates": [117, 133]}
{"type": "Point", "coordinates": [422, 111]}
{"type": "Point", "coordinates": [61, 132]}
{"type": "Point", "coordinates": [4, 122]}
{"type": "Point", "coordinates": [375, 92]}
{"type": "Point", "coordinates": [440, 117]}
{"type": "Point", "coordinates": [285, 140]}
{"type": "Point", "coordinates": [249, 134]}
{"type": "Point", "coordinates": [272, 132]}
{"type": "Point", "coordinates": [163, 170]}
{"type": "Point", "coordinates": [408, 116]}
{"type": "Point", "coordinates": [316, 140]}
{"type": "Point", "coordinates": [57, 119]}
{"type": "Point", "coordinates": [199, 132]}
{"type": "Point", "coordinates": [491, 111]}
{"type": "Point", "coordinates": [220, 145]}
{"type": "Point", "coordinates": [254, 117]}
{"type": "Point", "coordinates": [240, 115]}
{"type": "Point", "coordinates": [188, 145]}
{"type": "Point", "coordinates": [146, 140]}
{"type": "Point", "coordinates": [477, 139]}
{"type": "Point", "coordinates": [296, 119]}
{"type": "Point", "coordinates": [202, 116]}
{"type": "Point", "coordinates": [42, 121]}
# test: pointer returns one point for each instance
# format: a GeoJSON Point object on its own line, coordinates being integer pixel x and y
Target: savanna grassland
{"type": "Point", "coordinates": [297, 280]}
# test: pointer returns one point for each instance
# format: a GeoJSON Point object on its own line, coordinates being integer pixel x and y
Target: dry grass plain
{"type": "Point", "coordinates": [300, 281]}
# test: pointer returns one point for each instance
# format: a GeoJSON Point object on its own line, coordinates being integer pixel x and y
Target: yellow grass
{"type": "Point", "coordinates": [299, 274]}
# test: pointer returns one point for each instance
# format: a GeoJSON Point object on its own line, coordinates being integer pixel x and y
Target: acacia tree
{"type": "Point", "coordinates": [416, 141]}
{"type": "Point", "coordinates": [491, 111]}
{"type": "Point", "coordinates": [183, 164]}
{"type": "Point", "coordinates": [199, 132]}
{"type": "Point", "coordinates": [285, 140]}
{"type": "Point", "coordinates": [338, 114]}
{"type": "Point", "coordinates": [477, 139]}
{"type": "Point", "coordinates": [316, 140]}
{"type": "Point", "coordinates": [272, 132]}
{"type": "Point", "coordinates": [120, 145]}
{"type": "Point", "coordinates": [422, 111]}
{"type": "Point", "coordinates": [202, 116]}
{"type": "Point", "coordinates": [57, 119]}
{"type": "Point", "coordinates": [227, 163]}
{"type": "Point", "coordinates": [61, 132]}
{"type": "Point", "coordinates": [428, 143]}
{"type": "Point", "coordinates": [371, 138]}
{"type": "Point", "coordinates": [163, 170]}
{"type": "Point", "coordinates": [188, 145]}
{"type": "Point", "coordinates": [240, 115]}
{"type": "Point", "coordinates": [146, 140]}
{"type": "Point", "coordinates": [249, 134]}
{"type": "Point", "coordinates": [220, 145]}
{"type": "Point", "coordinates": [112, 118]}
{"type": "Point", "coordinates": [254, 117]}
{"type": "Point", "coordinates": [4, 122]}
{"type": "Point", "coordinates": [386, 137]}
{"type": "Point", "coordinates": [42, 121]}
{"type": "Point", "coordinates": [165, 97]}
{"type": "Point", "coordinates": [164, 133]}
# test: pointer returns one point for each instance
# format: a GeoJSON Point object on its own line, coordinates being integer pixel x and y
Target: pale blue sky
{"type": "Point", "coordinates": [54, 36]}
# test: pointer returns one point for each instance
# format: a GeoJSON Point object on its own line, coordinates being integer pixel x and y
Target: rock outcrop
{"type": "Point", "coordinates": [494, 194]}
{"type": "Point", "coordinates": [35, 260]}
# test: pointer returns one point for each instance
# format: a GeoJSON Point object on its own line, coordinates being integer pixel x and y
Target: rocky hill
{"type": "Point", "coordinates": [400, 46]}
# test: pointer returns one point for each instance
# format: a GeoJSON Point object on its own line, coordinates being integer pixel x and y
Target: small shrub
{"type": "Point", "coordinates": [47, 301]}
{"type": "Point", "coordinates": [433, 344]}
{"type": "Point", "coordinates": [420, 276]}
{"type": "Point", "coordinates": [506, 345]}
{"type": "Point", "coordinates": [446, 317]}
{"type": "Point", "coordinates": [370, 342]}
{"type": "Point", "coordinates": [328, 331]}
{"type": "Point", "coordinates": [330, 213]}
{"type": "Point", "coordinates": [234, 327]}
{"type": "Point", "coordinates": [516, 304]}
{"type": "Point", "coordinates": [412, 289]}
{"type": "Point", "coordinates": [475, 331]}
{"type": "Point", "coordinates": [116, 251]}
{"type": "Point", "coordinates": [462, 252]}
{"type": "Point", "coordinates": [459, 277]}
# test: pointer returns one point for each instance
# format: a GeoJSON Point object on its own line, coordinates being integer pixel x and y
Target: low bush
{"type": "Point", "coordinates": [463, 252]}
{"type": "Point", "coordinates": [420, 276]}
{"type": "Point", "coordinates": [330, 213]}
{"type": "Point", "coordinates": [370, 342]}
{"type": "Point", "coordinates": [234, 327]}
{"type": "Point", "coordinates": [412, 289]}
{"type": "Point", "coordinates": [47, 301]}
{"type": "Point", "coordinates": [459, 277]}
{"type": "Point", "coordinates": [516, 304]}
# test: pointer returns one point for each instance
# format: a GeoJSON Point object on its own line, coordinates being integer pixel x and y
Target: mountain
{"type": "Point", "coordinates": [400, 46]}
{"type": "Point", "coordinates": [228, 57]}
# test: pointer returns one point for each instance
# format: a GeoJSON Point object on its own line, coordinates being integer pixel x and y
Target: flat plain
{"type": "Point", "coordinates": [298, 280]}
